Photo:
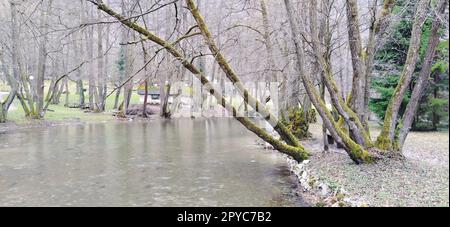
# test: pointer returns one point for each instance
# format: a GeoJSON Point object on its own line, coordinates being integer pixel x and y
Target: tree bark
{"type": "Point", "coordinates": [297, 152]}
{"type": "Point", "coordinates": [92, 77]}
{"type": "Point", "coordinates": [356, 152]}
{"type": "Point", "coordinates": [40, 86]}
{"type": "Point", "coordinates": [100, 66]}
{"type": "Point", "coordinates": [357, 131]}
{"type": "Point", "coordinates": [79, 80]}
{"type": "Point", "coordinates": [129, 54]}
{"type": "Point", "coordinates": [386, 139]}
{"type": "Point", "coordinates": [144, 105]}
{"type": "Point", "coordinates": [375, 29]}
{"type": "Point", "coordinates": [232, 76]}
{"type": "Point", "coordinates": [66, 85]}
{"type": "Point", "coordinates": [6, 104]}
{"type": "Point", "coordinates": [354, 35]}
{"type": "Point", "coordinates": [18, 75]}
{"type": "Point", "coordinates": [324, 127]}
{"type": "Point", "coordinates": [424, 76]}
{"type": "Point", "coordinates": [271, 70]}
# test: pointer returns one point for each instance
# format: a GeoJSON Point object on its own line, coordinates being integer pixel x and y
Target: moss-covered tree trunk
{"type": "Point", "coordinates": [351, 118]}
{"type": "Point", "coordinates": [386, 139]}
{"type": "Point", "coordinates": [356, 151]}
{"type": "Point", "coordinates": [377, 26]}
{"type": "Point", "coordinates": [297, 152]}
{"type": "Point", "coordinates": [424, 76]}
{"type": "Point", "coordinates": [281, 129]}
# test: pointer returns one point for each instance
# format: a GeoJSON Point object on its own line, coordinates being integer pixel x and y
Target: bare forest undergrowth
{"type": "Point", "coordinates": [420, 179]}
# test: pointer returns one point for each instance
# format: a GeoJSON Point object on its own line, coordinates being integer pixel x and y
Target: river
{"type": "Point", "coordinates": [158, 163]}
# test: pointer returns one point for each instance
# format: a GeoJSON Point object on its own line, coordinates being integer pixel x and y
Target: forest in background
{"type": "Point", "coordinates": [348, 61]}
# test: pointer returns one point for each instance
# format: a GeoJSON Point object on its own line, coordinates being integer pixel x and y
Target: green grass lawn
{"type": "Point", "coordinates": [61, 113]}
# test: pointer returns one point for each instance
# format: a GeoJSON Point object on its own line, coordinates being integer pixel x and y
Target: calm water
{"type": "Point", "coordinates": [160, 163]}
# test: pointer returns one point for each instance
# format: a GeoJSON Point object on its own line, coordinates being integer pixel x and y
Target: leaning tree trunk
{"type": "Point", "coordinates": [6, 104]}
{"type": "Point", "coordinates": [297, 152]}
{"type": "Point", "coordinates": [386, 139]}
{"type": "Point", "coordinates": [356, 151]}
{"type": "Point", "coordinates": [376, 27]}
{"type": "Point", "coordinates": [57, 98]}
{"type": "Point", "coordinates": [279, 127]}
{"type": "Point", "coordinates": [351, 118]}
{"type": "Point", "coordinates": [423, 79]}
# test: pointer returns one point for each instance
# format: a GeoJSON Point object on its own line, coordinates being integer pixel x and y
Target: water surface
{"type": "Point", "coordinates": [159, 163]}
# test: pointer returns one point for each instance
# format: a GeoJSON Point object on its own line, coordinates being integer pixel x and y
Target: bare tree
{"type": "Point", "coordinates": [386, 140]}
{"type": "Point", "coordinates": [292, 148]}
{"type": "Point", "coordinates": [423, 79]}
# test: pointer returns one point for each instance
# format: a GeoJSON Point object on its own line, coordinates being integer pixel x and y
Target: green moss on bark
{"type": "Point", "coordinates": [297, 123]}
{"type": "Point", "coordinates": [383, 143]}
{"type": "Point", "coordinates": [295, 150]}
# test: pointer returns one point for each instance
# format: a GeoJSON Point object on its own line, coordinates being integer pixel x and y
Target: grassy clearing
{"type": "Point", "coordinates": [61, 113]}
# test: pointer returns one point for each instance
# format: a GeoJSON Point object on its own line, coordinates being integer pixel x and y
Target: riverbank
{"type": "Point", "coordinates": [420, 179]}
{"type": "Point", "coordinates": [59, 118]}
{"type": "Point", "coordinates": [80, 119]}
{"type": "Point", "coordinates": [59, 115]}
{"type": "Point", "coordinates": [332, 179]}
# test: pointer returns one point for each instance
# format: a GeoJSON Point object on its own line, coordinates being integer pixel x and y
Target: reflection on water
{"type": "Point", "coordinates": [160, 163]}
